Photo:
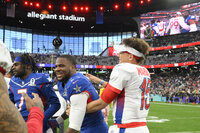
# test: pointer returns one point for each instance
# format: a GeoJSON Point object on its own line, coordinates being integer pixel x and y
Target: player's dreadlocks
{"type": "Point", "coordinates": [27, 59]}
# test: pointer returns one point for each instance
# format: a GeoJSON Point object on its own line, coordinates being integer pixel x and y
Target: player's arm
{"type": "Point", "coordinates": [96, 80]}
{"type": "Point", "coordinates": [77, 112]}
{"type": "Point", "coordinates": [108, 95]}
{"type": "Point", "coordinates": [52, 100]}
{"type": "Point", "coordinates": [36, 115]}
{"type": "Point", "coordinates": [183, 24]}
{"type": "Point", "coordinates": [11, 95]}
{"type": "Point", "coordinates": [156, 29]}
{"type": "Point", "coordinates": [168, 27]}
{"type": "Point", "coordinates": [192, 20]}
{"type": "Point", "coordinates": [11, 120]}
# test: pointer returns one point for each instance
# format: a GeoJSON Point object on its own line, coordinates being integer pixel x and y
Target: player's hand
{"type": "Point", "coordinates": [93, 78]}
{"type": "Point", "coordinates": [53, 123]}
{"type": "Point", "coordinates": [36, 101]}
{"type": "Point", "coordinates": [68, 110]}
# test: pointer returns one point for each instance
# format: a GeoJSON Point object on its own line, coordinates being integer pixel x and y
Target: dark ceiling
{"type": "Point", "coordinates": [114, 21]}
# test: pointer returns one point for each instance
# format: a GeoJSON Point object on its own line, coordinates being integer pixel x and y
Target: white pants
{"type": "Point", "coordinates": [115, 129]}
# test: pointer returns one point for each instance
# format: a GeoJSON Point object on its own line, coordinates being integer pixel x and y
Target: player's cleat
{"type": "Point", "coordinates": [53, 123]}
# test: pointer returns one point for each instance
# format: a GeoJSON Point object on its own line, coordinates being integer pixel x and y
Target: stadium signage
{"type": "Point", "coordinates": [55, 17]}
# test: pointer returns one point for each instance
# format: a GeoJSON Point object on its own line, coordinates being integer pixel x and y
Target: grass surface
{"type": "Point", "coordinates": [170, 118]}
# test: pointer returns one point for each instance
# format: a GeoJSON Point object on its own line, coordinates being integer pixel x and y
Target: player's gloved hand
{"type": "Point", "coordinates": [53, 123]}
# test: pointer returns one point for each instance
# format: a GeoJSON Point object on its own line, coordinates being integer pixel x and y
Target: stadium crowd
{"type": "Point", "coordinates": [165, 58]}
{"type": "Point", "coordinates": [174, 39]}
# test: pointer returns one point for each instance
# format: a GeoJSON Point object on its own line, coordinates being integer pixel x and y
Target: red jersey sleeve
{"type": "Point", "coordinates": [35, 120]}
{"type": "Point", "coordinates": [109, 93]}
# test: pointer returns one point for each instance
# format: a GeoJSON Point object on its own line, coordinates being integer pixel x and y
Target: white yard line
{"type": "Point", "coordinates": [172, 104]}
{"type": "Point", "coordinates": [186, 132]}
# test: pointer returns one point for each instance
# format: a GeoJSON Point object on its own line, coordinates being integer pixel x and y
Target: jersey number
{"type": "Point", "coordinates": [20, 91]}
{"type": "Point", "coordinates": [175, 24]}
{"type": "Point", "coordinates": [145, 94]}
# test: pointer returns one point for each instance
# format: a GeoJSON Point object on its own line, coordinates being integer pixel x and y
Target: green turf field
{"type": "Point", "coordinates": [177, 117]}
{"type": "Point", "coordinates": [171, 118]}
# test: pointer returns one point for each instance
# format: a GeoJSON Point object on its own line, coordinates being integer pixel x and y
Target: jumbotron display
{"type": "Point", "coordinates": [177, 21]}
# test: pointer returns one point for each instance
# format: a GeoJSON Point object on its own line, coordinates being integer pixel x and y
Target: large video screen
{"type": "Point", "coordinates": [176, 21]}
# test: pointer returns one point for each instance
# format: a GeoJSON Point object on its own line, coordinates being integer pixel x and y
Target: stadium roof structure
{"type": "Point", "coordinates": [21, 13]}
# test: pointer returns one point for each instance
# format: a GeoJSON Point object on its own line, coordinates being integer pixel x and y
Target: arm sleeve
{"type": "Point", "coordinates": [156, 29]}
{"type": "Point", "coordinates": [35, 120]}
{"type": "Point", "coordinates": [11, 95]}
{"type": "Point", "coordinates": [52, 100]}
{"type": "Point", "coordinates": [183, 24]}
{"type": "Point", "coordinates": [109, 94]}
{"type": "Point", "coordinates": [78, 110]}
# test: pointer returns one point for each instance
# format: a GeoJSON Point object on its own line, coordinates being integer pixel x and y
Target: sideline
{"type": "Point", "coordinates": [177, 104]}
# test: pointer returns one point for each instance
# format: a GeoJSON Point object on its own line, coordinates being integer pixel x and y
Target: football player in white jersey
{"type": "Point", "coordinates": [161, 27]}
{"type": "Point", "coordinates": [176, 23]}
{"type": "Point", "coordinates": [128, 88]}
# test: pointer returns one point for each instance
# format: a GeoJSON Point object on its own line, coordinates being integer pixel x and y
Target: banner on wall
{"type": "Point", "coordinates": [112, 51]}
{"type": "Point", "coordinates": [42, 16]}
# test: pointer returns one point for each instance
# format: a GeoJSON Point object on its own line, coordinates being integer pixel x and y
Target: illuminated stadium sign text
{"type": "Point", "coordinates": [55, 17]}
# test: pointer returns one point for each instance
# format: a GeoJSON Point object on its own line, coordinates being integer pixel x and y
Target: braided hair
{"type": "Point", "coordinates": [26, 59]}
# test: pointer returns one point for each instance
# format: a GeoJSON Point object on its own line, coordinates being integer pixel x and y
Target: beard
{"type": "Point", "coordinates": [66, 77]}
{"type": "Point", "coordinates": [21, 73]}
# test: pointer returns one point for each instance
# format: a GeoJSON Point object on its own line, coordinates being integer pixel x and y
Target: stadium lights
{"type": "Point", "coordinates": [64, 7]}
{"type": "Point", "coordinates": [8, 1]}
{"type": "Point", "coordinates": [86, 8]}
{"type": "Point", "coordinates": [76, 8]}
{"type": "Point", "coordinates": [128, 4]}
{"type": "Point", "coordinates": [148, 1]}
{"type": "Point", "coordinates": [81, 8]}
{"type": "Point", "coordinates": [49, 6]}
{"type": "Point", "coordinates": [37, 5]}
{"type": "Point", "coordinates": [31, 3]}
{"type": "Point", "coordinates": [116, 6]}
{"type": "Point", "coordinates": [141, 2]}
{"type": "Point", "coordinates": [26, 3]}
{"type": "Point", "coordinates": [101, 8]}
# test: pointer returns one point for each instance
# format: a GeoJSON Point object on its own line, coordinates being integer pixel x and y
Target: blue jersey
{"type": "Point", "coordinates": [155, 29]}
{"type": "Point", "coordinates": [39, 83]}
{"type": "Point", "coordinates": [187, 22]}
{"type": "Point", "coordinates": [78, 84]}
{"type": "Point", "coordinates": [189, 18]}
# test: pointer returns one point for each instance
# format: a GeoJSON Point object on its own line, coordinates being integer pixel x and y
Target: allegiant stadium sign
{"type": "Point", "coordinates": [55, 17]}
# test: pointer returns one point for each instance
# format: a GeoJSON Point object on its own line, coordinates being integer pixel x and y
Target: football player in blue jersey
{"type": "Point", "coordinates": [26, 80]}
{"type": "Point", "coordinates": [10, 118]}
{"type": "Point", "coordinates": [191, 21]}
{"type": "Point", "coordinates": [76, 88]}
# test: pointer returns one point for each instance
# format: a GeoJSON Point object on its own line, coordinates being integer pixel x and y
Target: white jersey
{"type": "Point", "coordinates": [7, 81]}
{"type": "Point", "coordinates": [161, 27]}
{"type": "Point", "coordinates": [132, 104]}
{"type": "Point", "coordinates": [175, 24]}
{"type": "Point", "coordinates": [63, 104]}
{"type": "Point", "coordinates": [142, 30]}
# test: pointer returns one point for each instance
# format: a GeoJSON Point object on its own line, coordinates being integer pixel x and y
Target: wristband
{"type": "Point", "coordinates": [101, 83]}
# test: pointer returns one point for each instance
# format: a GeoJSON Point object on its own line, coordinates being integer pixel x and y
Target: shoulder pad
{"type": "Point", "coordinates": [126, 67]}
{"type": "Point", "coordinates": [78, 85]}
{"type": "Point", "coordinates": [43, 78]}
